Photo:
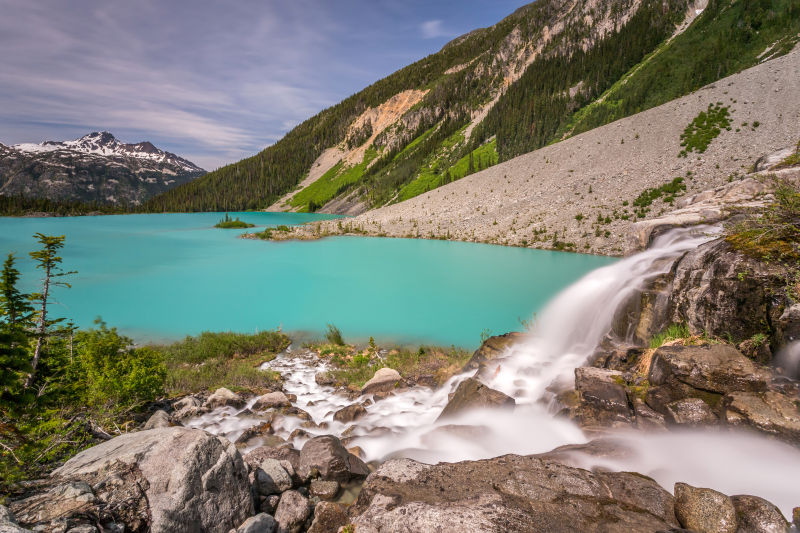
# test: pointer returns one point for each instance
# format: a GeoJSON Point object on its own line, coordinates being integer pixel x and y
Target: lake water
{"type": "Point", "coordinates": [160, 277]}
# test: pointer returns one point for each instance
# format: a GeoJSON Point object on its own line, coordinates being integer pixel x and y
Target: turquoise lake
{"type": "Point", "coordinates": [161, 277]}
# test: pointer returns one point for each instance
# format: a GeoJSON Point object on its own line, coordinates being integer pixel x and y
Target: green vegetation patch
{"type": "Point", "coordinates": [667, 192]}
{"type": "Point", "coordinates": [232, 223]}
{"type": "Point", "coordinates": [705, 127]}
{"type": "Point", "coordinates": [333, 183]}
{"type": "Point", "coordinates": [673, 332]}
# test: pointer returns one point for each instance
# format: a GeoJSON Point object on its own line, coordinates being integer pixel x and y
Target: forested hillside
{"type": "Point", "coordinates": [542, 74]}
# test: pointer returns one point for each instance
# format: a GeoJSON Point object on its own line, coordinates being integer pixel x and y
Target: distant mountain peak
{"type": "Point", "coordinates": [103, 143]}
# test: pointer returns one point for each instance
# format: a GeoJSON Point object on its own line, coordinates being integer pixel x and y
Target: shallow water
{"type": "Point", "coordinates": [165, 276]}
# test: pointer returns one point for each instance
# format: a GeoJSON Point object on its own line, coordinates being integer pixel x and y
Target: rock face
{"type": "Point", "coordinates": [384, 380]}
{"type": "Point", "coordinates": [471, 394]}
{"type": "Point", "coordinates": [604, 398]}
{"type": "Point", "coordinates": [769, 412]}
{"type": "Point", "coordinates": [704, 510]}
{"type": "Point", "coordinates": [757, 515]}
{"type": "Point", "coordinates": [328, 518]}
{"type": "Point", "coordinates": [719, 368]}
{"type": "Point", "coordinates": [509, 493]}
{"type": "Point", "coordinates": [326, 455]}
{"type": "Point", "coordinates": [191, 479]}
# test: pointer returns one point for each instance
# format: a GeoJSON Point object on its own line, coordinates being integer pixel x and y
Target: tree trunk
{"type": "Point", "coordinates": [40, 330]}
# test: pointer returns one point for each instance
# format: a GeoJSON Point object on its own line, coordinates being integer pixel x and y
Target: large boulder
{"type": "Point", "coordinates": [472, 394]}
{"type": "Point", "coordinates": [191, 479]}
{"type": "Point", "coordinates": [704, 510]}
{"type": "Point", "coordinates": [223, 397]}
{"type": "Point", "coordinates": [719, 368]}
{"type": "Point", "coordinates": [260, 523]}
{"type": "Point", "coordinates": [328, 518]}
{"type": "Point", "coordinates": [327, 456]}
{"type": "Point", "coordinates": [691, 412]}
{"type": "Point", "coordinates": [769, 412]}
{"type": "Point", "coordinates": [509, 493]}
{"type": "Point", "coordinates": [491, 349]}
{"type": "Point", "coordinates": [757, 515]}
{"type": "Point", "coordinates": [159, 419]}
{"type": "Point", "coordinates": [349, 413]}
{"type": "Point", "coordinates": [271, 477]}
{"type": "Point", "coordinates": [384, 380]}
{"type": "Point", "coordinates": [603, 398]}
{"type": "Point", "coordinates": [8, 524]}
{"type": "Point", "coordinates": [271, 400]}
{"type": "Point", "coordinates": [293, 511]}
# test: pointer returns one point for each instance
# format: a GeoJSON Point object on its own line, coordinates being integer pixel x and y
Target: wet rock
{"type": "Point", "coordinates": [84, 528]}
{"type": "Point", "coordinates": [691, 412]}
{"type": "Point", "coordinates": [326, 455]}
{"type": "Point", "coordinates": [384, 380]}
{"type": "Point", "coordinates": [223, 397]}
{"type": "Point", "coordinates": [159, 419]}
{"type": "Point", "coordinates": [769, 412]}
{"type": "Point", "coordinates": [471, 394]}
{"type": "Point", "coordinates": [719, 368]}
{"type": "Point", "coordinates": [190, 479]}
{"type": "Point", "coordinates": [492, 348]}
{"type": "Point", "coordinates": [603, 400]}
{"type": "Point", "coordinates": [272, 478]}
{"type": "Point", "coordinates": [704, 510]}
{"type": "Point", "coordinates": [324, 490]}
{"type": "Point", "coordinates": [260, 523]}
{"type": "Point", "coordinates": [328, 518]}
{"type": "Point", "coordinates": [645, 417]}
{"type": "Point", "coordinates": [293, 511]}
{"type": "Point", "coordinates": [796, 517]}
{"type": "Point", "coordinates": [757, 515]}
{"type": "Point", "coordinates": [509, 493]}
{"type": "Point", "coordinates": [186, 408]}
{"type": "Point", "coordinates": [271, 400]}
{"type": "Point", "coordinates": [324, 379]}
{"type": "Point", "coordinates": [263, 429]}
{"type": "Point", "coordinates": [349, 413]}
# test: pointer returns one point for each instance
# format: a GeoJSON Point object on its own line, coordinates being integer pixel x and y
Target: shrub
{"type": "Point", "coordinates": [334, 335]}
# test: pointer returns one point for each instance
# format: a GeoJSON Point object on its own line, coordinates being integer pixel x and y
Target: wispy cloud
{"type": "Point", "coordinates": [433, 29]}
{"type": "Point", "coordinates": [213, 82]}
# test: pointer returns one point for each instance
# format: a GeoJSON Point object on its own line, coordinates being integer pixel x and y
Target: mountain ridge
{"type": "Point", "coordinates": [95, 168]}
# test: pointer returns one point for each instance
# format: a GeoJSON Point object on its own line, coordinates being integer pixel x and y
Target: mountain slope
{"type": "Point", "coordinates": [460, 84]}
{"type": "Point", "coordinates": [550, 70]}
{"type": "Point", "coordinates": [583, 193]}
{"type": "Point", "coordinates": [95, 168]}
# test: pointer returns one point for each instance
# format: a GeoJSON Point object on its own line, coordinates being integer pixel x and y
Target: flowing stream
{"type": "Point", "coordinates": [566, 333]}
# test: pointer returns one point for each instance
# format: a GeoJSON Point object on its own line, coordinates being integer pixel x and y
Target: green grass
{"type": "Point", "coordinates": [673, 332]}
{"type": "Point", "coordinates": [332, 183]}
{"type": "Point", "coordinates": [212, 360]}
{"type": "Point", "coordinates": [432, 176]}
{"type": "Point", "coordinates": [668, 192]}
{"type": "Point", "coordinates": [704, 128]}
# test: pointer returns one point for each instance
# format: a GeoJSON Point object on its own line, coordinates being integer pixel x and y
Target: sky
{"type": "Point", "coordinates": [211, 81]}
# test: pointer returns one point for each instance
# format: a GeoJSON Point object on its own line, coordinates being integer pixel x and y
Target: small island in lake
{"type": "Point", "coordinates": [232, 223]}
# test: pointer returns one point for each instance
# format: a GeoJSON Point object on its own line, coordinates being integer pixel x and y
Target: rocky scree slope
{"type": "Point", "coordinates": [95, 168]}
{"type": "Point", "coordinates": [585, 193]}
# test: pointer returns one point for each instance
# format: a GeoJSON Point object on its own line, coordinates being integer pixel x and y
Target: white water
{"type": "Point", "coordinates": [566, 334]}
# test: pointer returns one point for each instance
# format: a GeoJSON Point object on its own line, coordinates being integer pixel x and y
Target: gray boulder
{"type": "Point", "coordinates": [8, 524]}
{"type": "Point", "coordinates": [159, 419]}
{"type": "Point", "coordinates": [223, 397]}
{"type": "Point", "coordinates": [509, 493]}
{"type": "Point", "coordinates": [704, 510]}
{"type": "Point", "coordinates": [186, 408]}
{"type": "Point", "coordinates": [757, 515]}
{"type": "Point", "coordinates": [193, 479]}
{"type": "Point", "coordinates": [349, 413]}
{"type": "Point", "coordinates": [603, 398]}
{"type": "Point", "coordinates": [327, 456]}
{"type": "Point", "coordinates": [271, 400]}
{"type": "Point", "coordinates": [272, 478]}
{"type": "Point", "coordinates": [384, 380]}
{"type": "Point", "coordinates": [324, 490]}
{"type": "Point", "coordinates": [260, 523]}
{"type": "Point", "coordinates": [472, 394]}
{"type": "Point", "coordinates": [328, 518]}
{"type": "Point", "coordinates": [491, 349]}
{"type": "Point", "coordinates": [719, 368]}
{"type": "Point", "coordinates": [293, 511]}
{"type": "Point", "coordinates": [769, 412]}
{"type": "Point", "coordinates": [691, 412]}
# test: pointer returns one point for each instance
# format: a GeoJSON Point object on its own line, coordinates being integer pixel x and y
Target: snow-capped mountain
{"type": "Point", "coordinates": [97, 167]}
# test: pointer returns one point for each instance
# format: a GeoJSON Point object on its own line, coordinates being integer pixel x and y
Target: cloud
{"type": "Point", "coordinates": [433, 29]}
